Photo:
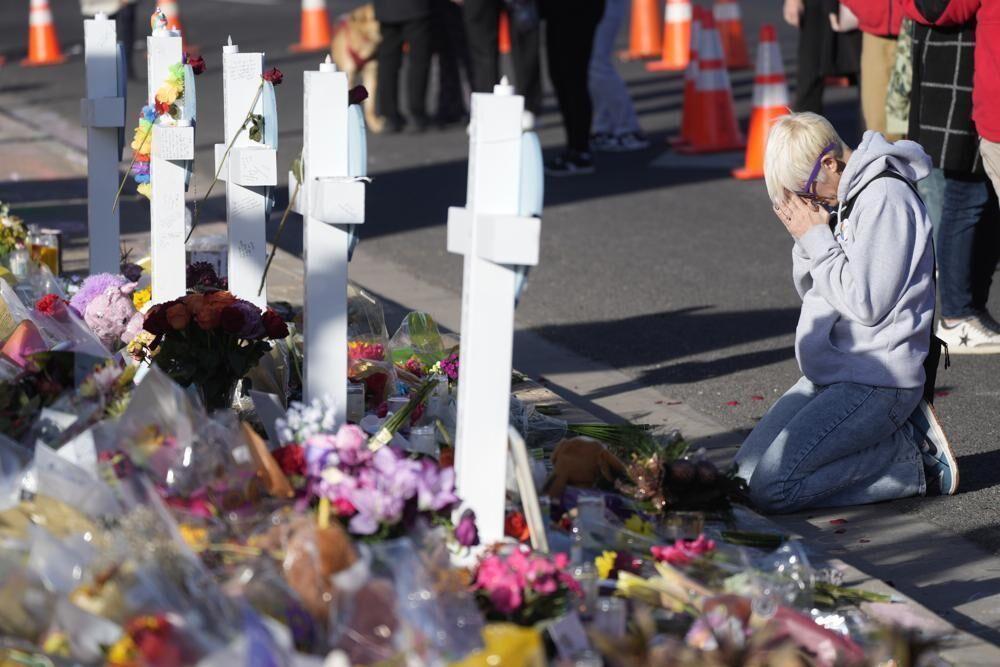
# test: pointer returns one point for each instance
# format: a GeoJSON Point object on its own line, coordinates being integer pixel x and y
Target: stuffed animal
{"type": "Point", "coordinates": [583, 462]}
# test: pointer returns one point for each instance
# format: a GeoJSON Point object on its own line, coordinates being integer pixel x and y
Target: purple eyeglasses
{"type": "Point", "coordinates": [807, 190]}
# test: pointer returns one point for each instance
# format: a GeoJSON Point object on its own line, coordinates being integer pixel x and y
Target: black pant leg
{"type": "Point", "coordinates": [448, 43]}
{"type": "Point", "coordinates": [569, 42]}
{"type": "Point", "coordinates": [482, 22]}
{"type": "Point", "coordinates": [809, 78]}
{"type": "Point", "coordinates": [390, 61]}
{"type": "Point", "coordinates": [125, 26]}
{"type": "Point", "coordinates": [419, 35]}
{"type": "Point", "coordinates": [526, 50]}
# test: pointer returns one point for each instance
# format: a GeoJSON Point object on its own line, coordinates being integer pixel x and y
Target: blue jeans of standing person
{"type": "Point", "coordinates": [931, 190]}
{"type": "Point", "coordinates": [842, 444]}
{"type": "Point", "coordinates": [966, 255]}
{"type": "Point", "coordinates": [614, 112]}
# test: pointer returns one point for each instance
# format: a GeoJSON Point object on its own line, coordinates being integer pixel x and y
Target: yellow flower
{"type": "Point", "coordinates": [141, 297]}
{"type": "Point", "coordinates": [168, 93]}
{"type": "Point", "coordinates": [141, 142]}
{"type": "Point", "coordinates": [123, 652]}
{"type": "Point", "coordinates": [637, 525]}
{"type": "Point", "coordinates": [196, 538]}
{"type": "Point", "coordinates": [145, 189]}
{"type": "Point", "coordinates": [605, 563]}
{"type": "Point", "coordinates": [57, 643]}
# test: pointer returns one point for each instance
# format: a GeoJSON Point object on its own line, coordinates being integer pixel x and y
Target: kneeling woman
{"type": "Point", "coordinates": [854, 429]}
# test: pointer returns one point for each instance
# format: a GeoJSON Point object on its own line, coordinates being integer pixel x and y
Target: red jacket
{"type": "Point", "coordinates": [878, 17]}
{"type": "Point", "coordinates": [986, 86]}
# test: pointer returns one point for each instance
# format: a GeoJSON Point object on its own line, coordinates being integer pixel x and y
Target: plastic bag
{"type": "Point", "coordinates": [538, 430]}
{"type": "Point", "coordinates": [417, 344]}
{"type": "Point", "coordinates": [368, 347]}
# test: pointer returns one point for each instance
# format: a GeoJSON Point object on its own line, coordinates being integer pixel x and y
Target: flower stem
{"type": "Point", "coordinates": [277, 236]}
{"type": "Point", "coordinates": [135, 154]}
{"type": "Point", "coordinates": [222, 163]}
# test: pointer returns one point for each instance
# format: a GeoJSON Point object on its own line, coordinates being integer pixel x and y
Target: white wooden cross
{"type": "Point", "coordinates": [102, 112]}
{"type": "Point", "coordinates": [250, 170]}
{"type": "Point", "coordinates": [331, 199]}
{"type": "Point", "coordinates": [496, 237]}
{"type": "Point", "coordinates": [172, 147]}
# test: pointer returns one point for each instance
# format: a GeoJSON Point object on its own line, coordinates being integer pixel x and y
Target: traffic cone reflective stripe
{"type": "Point", "coordinates": [43, 44]}
{"type": "Point", "coordinates": [730, 24]}
{"type": "Point", "coordinates": [646, 32]}
{"type": "Point", "coordinates": [676, 37]}
{"type": "Point", "coordinates": [315, 34]}
{"type": "Point", "coordinates": [690, 82]}
{"type": "Point", "coordinates": [714, 127]}
{"type": "Point", "coordinates": [504, 37]}
{"type": "Point", "coordinates": [770, 102]}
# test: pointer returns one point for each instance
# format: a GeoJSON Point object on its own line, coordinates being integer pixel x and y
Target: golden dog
{"type": "Point", "coordinates": [356, 37]}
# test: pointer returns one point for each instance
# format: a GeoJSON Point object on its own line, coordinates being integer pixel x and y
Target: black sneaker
{"type": "Point", "coordinates": [940, 465]}
{"type": "Point", "coordinates": [603, 141]}
{"type": "Point", "coordinates": [632, 141]}
{"type": "Point", "coordinates": [570, 163]}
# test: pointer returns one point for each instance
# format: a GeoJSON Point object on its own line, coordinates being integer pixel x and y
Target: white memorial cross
{"type": "Point", "coordinates": [331, 200]}
{"type": "Point", "coordinates": [250, 170]}
{"type": "Point", "coordinates": [497, 237]}
{"type": "Point", "coordinates": [172, 147]}
{"type": "Point", "coordinates": [102, 112]}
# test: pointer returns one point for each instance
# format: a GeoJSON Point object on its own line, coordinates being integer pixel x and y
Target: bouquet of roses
{"type": "Point", "coordinates": [524, 588]}
{"type": "Point", "coordinates": [210, 340]}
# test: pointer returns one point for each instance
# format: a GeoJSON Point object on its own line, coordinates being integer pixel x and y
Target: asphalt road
{"type": "Point", "coordinates": [660, 265]}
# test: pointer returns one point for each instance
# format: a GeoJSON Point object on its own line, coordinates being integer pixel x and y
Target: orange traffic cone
{"type": "Point", "coordinates": [646, 36]}
{"type": "Point", "coordinates": [690, 80]}
{"type": "Point", "coordinates": [315, 35]}
{"type": "Point", "coordinates": [714, 128]}
{"type": "Point", "coordinates": [43, 44]}
{"type": "Point", "coordinates": [504, 36]}
{"type": "Point", "coordinates": [676, 37]}
{"type": "Point", "coordinates": [734, 45]}
{"type": "Point", "coordinates": [770, 102]}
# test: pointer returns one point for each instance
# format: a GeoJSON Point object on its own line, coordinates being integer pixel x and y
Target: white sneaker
{"type": "Point", "coordinates": [970, 336]}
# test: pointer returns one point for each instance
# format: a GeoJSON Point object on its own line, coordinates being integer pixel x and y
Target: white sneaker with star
{"type": "Point", "coordinates": [969, 336]}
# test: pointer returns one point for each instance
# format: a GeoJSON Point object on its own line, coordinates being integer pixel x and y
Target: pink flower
{"type": "Point", "coordinates": [683, 552]}
{"type": "Point", "coordinates": [505, 594]}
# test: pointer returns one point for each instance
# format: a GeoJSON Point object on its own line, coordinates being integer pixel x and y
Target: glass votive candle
{"type": "Point", "coordinates": [610, 617]}
{"type": "Point", "coordinates": [423, 440]}
{"type": "Point", "coordinates": [355, 402]}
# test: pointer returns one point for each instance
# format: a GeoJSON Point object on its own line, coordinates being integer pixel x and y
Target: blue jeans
{"type": "Point", "coordinates": [843, 444]}
{"type": "Point", "coordinates": [931, 190]}
{"type": "Point", "coordinates": [614, 112]}
{"type": "Point", "coordinates": [966, 258]}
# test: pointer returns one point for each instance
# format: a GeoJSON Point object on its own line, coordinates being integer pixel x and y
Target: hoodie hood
{"type": "Point", "coordinates": [874, 155]}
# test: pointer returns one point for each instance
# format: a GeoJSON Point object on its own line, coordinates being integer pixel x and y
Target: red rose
{"type": "Point", "coordinates": [50, 304]}
{"type": "Point", "coordinates": [163, 108]}
{"type": "Point", "coordinates": [156, 319]}
{"type": "Point", "coordinates": [291, 459]}
{"type": "Point", "coordinates": [178, 316]}
{"type": "Point", "coordinates": [516, 526]}
{"type": "Point", "coordinates": [274, 76]}
{"type": "Point", "coordinates": [357, 95]}
{"type": "Point", "coordinates": [197, 63]}
{"type": "Point", "coordinates": [274, 326]}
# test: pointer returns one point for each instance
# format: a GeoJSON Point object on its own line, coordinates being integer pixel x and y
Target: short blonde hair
{"type": "Point", "coordinates": [793, 146]}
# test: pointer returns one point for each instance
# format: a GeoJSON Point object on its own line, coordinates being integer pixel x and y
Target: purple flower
{"type": "Point", "coordinates": [450, 366]}
{"type": "Point", "coordinates": [435, 487]}
{"type": "Point", "coordinates": [132, 272]}
{"type": "Point", "coordinates": [202, 274]}
{"type": "Point", "coordinates": [466, 531]}
{"type": "Point", "coordinates": [93, 287]}
{"type": "Point", "coordinates": [140, 169]}
{"type": "Point", "coordinates": [243, 319]}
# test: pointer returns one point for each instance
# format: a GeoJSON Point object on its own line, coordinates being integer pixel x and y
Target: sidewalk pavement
{"type": "Point", "coordinates": [44, 173]}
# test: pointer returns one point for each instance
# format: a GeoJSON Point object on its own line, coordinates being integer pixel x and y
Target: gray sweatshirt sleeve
{"type": "Point", "coordinates": [865, 281]}
{"type": "Point", "coordinates": [800, 271]}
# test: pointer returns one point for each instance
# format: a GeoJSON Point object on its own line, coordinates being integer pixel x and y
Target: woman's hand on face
{"type": "Point", "coordinates": [799, 217]}
{"type": "Point", "coordinates": [793, 12]}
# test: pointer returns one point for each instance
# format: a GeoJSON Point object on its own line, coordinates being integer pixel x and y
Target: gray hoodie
{"type": "Point", "coordinates": [867, 287]}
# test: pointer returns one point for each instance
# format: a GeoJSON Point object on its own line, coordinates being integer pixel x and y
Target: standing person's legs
{"type": "Point", "coordinates": [482, 21]}
{"type": "Point", "coordinates": [419, 34]}
{"type": "Point", "coordinates": [390, 60]}
{"type": "Point", "coordinates": [965, 201]}
{"type": "Point", "coordinates": [569, 34]}
{"type": "Point", "coordinates": [614, 113]}
{"type": "Point", "coordinates": [878, 55]}
{"type": "Point", "coordinates": [450, 47]}
{"type": "Point", "coordinates": [990, 151]}
{"type": "Point", "coordinates": [125, 26]}
{"type": "Point", "coordinates": [986, 254]}
{"type": "Point", "coordinates": [809, 77]}
{"type": "Point", "coordinates": [851, 444]}
{"type": "Point", "coordinates": [931, 190]}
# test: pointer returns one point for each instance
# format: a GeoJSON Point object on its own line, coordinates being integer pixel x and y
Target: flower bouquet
{"type": "Point", "coordinates": [210, 340]}
{"type": "Point", "coordinates": [13, 233]}
{"type": "Point", "coordinates": [367, 348]}
{"type": "Point", "coordinates": [520, 587]}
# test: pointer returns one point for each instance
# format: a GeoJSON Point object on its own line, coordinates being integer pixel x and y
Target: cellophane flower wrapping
{"type": "Point", "coordinates": [416, 346]}
{"type": "Point", "coordinates": [369, 361]}
{"type": "Point", "coordinates": [538, 430]}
